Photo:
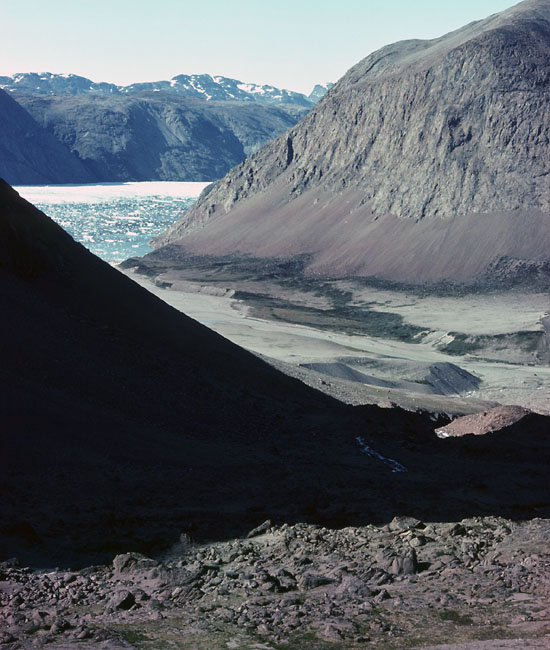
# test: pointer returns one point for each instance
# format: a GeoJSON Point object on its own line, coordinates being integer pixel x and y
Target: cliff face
{"type": "Point", "coordinates": [155, 136]}
{"type": "Point", "coordinates": [428, 160]}
{"type": "Point", "coordinates": [29, 154]}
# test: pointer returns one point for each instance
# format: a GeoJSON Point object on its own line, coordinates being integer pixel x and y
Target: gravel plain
{"type": "Point", "coordinates": [499, 339]}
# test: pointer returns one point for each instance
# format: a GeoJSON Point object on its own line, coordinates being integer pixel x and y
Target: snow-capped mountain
{"type": "Point", "coordinates": [319, 90]}
{"type": "Point", "coordinates": [221, 89]}
{"type": "Point", "coordinates": [201, 85]}
{"type": "Point", "coordinates": [46, 83]}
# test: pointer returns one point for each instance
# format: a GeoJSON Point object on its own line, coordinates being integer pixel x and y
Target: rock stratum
{"type": "Point", "coordinates": [427, 161]}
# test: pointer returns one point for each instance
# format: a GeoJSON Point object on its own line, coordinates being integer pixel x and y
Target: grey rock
{"type": "Point", "coordinates": [437, 145]}
{"type": "Point", "coordinates": [59, 625]}
{"type": "Point", "coordinates": [381, 596]}
{"type": "Point", "coordinates": [123, 599]}
{"type": "Point", "coordinates": [398, 524]}
{"type": "Point", "coordinates": [39, 617]}
{"type": "Point", "coordinates": [405, 565]}
{"type": "Point", "coordinates": [312, 581]}
{"type": "Point", "coordinates": [384, 558]}
{"type": "Point", "coordinates": [133, 562]}
{"type": "Point", "coordinates": [389, 561]}
{"type": "Point", "coordinates": [330, 631]}
{"type": "Point", "coordinates": [353, 587]}
{"type": "Point", "coordinates": [286, 580]}
{"type": "Point", "coordinates": [453, 530]}
{"type": "Point", "coordinates": [15, 619]}
{"type": "Point", "coordinates": [81, 632]}
{"type": "Point", "coordinates": [137, 137]}
{"type": "Point", "coordinates": [6, 637]}
{"type": "Point", "coordinates": [260, 530]}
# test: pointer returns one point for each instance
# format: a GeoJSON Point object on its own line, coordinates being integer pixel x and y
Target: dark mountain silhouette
{"type": "Point", "coordinates": [427, 161]}
{"type": "Point", "coordinates": [30, 154]}
{"type": "Point", "coordinates": [125, 423]}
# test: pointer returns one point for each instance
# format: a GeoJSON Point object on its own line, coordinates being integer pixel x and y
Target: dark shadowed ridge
{"type": "Point", "coordinates": [125, 423]}
{"type": "Point", "coordinates": [31, 155]}
{"type": "Point", "coordinates": [104, 384]}
{"type": "Point", "coordinates": [427, 161]}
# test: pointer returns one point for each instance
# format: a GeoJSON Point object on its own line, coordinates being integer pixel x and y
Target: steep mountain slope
{"type": "Point", "coordinates": [125, 423]}
{"type": "Point", "coordinates": [29, 154]}
{"type": "Point", "coordinates": [116, 408]}
{"type": "Point", "coordinates": [427, 161]}
{"type": "Point", "coordinates": [156, 136]}
{"type": "Point", "coordinates": [204, 86]}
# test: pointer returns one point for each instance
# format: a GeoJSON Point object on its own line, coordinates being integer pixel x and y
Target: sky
{"type": "Point", "coordinates": [291, 44]}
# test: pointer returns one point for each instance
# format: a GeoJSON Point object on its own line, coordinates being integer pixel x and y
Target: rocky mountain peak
{"type": "Point", "coordinates": [416, 55]}
{"type": "Point", "coordinates": [204, 86]}
{"type": "Point", "coordinates": [319, 91]}
{"type": "Point", "coordinates": [428, 160]}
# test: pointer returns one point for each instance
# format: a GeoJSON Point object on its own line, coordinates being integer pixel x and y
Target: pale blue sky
{"type": "Point", "coordinates": [288, 43]}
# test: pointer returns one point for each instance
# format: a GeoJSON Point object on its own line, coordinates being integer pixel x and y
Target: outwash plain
{"type": "Point", "coordinates": [366, 345]}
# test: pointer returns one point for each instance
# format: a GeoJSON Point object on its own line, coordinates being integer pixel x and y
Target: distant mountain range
{"type": "Point", "coordinates": [32, 155]}
{"type": "Point", "coordinates": [68, 129]}
{"type": "Point", "coordinates": [197, 85]}
{"type": "Point", "coordinates": [428, 161]}
{"type": "Point", "coordinates": [156, 136]}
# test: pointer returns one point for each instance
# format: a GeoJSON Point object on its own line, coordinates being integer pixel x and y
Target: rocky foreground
{"type": "Point", "coordinates": [480, 583]}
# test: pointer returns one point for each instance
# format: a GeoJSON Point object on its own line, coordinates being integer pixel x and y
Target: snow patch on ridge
{"type": "Point", "coordinates": [205, 85]}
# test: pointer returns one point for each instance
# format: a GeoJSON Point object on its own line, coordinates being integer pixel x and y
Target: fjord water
{"type": "Point", "coordinates": [114, 220]}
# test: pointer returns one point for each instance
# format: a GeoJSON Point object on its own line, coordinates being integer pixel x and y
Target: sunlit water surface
{"type": "Point", "coordinates": [114, 220]}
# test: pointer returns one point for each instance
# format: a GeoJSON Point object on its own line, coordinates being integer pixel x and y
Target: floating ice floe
{"type": "Point", "coordinates": [102, 192]}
